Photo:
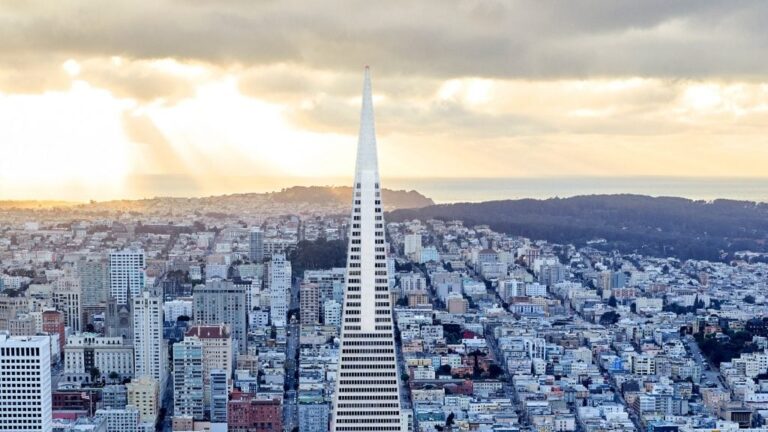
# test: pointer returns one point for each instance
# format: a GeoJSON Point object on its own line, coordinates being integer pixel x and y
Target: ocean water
{"type": "Point", "coordinates": [445, 190]}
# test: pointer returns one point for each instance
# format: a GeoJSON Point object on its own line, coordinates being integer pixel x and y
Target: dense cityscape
{"type": "Point", "coordinates": [168, 318]}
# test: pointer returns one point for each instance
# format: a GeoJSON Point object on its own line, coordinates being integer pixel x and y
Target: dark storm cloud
{"type": "Point", "coordinates": [441, 39]}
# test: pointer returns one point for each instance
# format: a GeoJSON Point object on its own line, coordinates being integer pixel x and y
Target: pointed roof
{"type": "Point", "coordinates": [366, 144]}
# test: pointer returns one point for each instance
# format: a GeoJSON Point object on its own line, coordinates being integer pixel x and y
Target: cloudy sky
{"type": "Point", "coordinates": [136, 98]}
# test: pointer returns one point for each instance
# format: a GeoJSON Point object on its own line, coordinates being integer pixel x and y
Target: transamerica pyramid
{"type": "Point", "coordinates": [367, 383]}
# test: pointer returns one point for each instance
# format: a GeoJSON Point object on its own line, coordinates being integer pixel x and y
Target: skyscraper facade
{"type": "Point", "coordinates": [256, 245]}
{"type": "Point", "coordinates": [309, 306]}
{"type": "Point", "coordinates": [66, 297]}
{"type": "Point", "coordinates": [126, 273]}
{"type": "Point", "coordinates": [93, 281]}
{"type": "Point", "coordinates": [222, 302]}
{"type": "Point", "coordinates": [188, 378]}
{"type": "Point", "coordinates": [367, 385]}
{"type": "Point", "coordinates": [279, 289]}
{"type": "Point", "coordinates": [25, 383]}
{"type": "Point", "coordinates": [217, 352]}
{"type": "Point", "coordinates": [218, 379]}
{"type": "Point", "coordinates": [150, 356]}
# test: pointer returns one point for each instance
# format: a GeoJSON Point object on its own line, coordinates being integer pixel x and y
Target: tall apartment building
{"type": "Point", "coordinates": [309, 306]}
{"type": "Point", "coordinates": [551, 274]}
{"type": "Point", "coordinates": [217, 353]}
{"type": "Point", "coordinates": [313, 417]}
{"type": "Point", "coordinates": [412, 246]}
{"type": "Point", "coordinates": [368, 384]}
{"type": "Point", "coordinates": [94, 280]}
{"type": "Point", "coordinates": [219, 390]}
{"type": "Point", "coordinates": [279, 289]}
{"type": "Point", "coordinates": [53, 323]}
{"type": "Point", "coordinates": [222, 302]}
{"type": "Point", "coordinates": [144, 394]}
{"type": "Point", "coordinates": [188, 378]}
{"type": "Point", "coordinates": [25, 383]}
{"type": "Point", "coordinates": [150, 354]}
{"type": "Point", "coordinates": [330, 282]}
{"type": "Point", "coordinates": [126, 274]}
{"type": "Point", "coordinates": [256, 245]}
{"type": "Point", "coordinates": [332, 313]}
{"type": "Point", "coordinates": [66, 296]}
{"type": "Point", "coordinates": [120, 419]}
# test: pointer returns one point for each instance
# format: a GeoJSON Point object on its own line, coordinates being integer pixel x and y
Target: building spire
{"type": "Point", "coordinates": [366, 144]}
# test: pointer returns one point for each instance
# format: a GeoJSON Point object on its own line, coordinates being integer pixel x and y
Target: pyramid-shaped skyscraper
{"type": "Point", "coordinates": [367, 383]}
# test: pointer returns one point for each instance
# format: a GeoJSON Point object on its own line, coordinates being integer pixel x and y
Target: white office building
{"type": "Point", "coordinates": [86, 351]}
{"type": "Point", "coordinates": [412, 246]}
{"type": "Point", "coordinates": [25, 383]}
{"type": "Point", "coordinates": [188, 378]}
{"type": "Point", "coordinates": [150, 354]}
{"type": "Point", "coordinates": [126, 273]}
{"type": "Point", "coordinates": [67, 298]}
{"type": "Point", "coordinates": [120, 420]}
{"type": "Point", "coordinates": [279, 289]}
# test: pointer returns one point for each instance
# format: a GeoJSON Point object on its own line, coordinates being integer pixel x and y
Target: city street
{"type": "Point", "coordinates": [290, 407]}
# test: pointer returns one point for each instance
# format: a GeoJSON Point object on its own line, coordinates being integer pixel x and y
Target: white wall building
{"type": "Point", "coordinates": [108, 354]}
{"type": "Point", "coordinates": [126, 273]}
{"type": "Point", "coordinates": [149, 348]}
{"type": "Point", "coordinates": [25, 383]}
{"type": "Point", "coordinates": [279, 289]}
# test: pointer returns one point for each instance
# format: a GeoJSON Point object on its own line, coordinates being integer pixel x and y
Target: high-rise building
{"type": "Point", "coordinates": [114, 396]}
{"type": "Point", "coordinates": [368, 384]}
{"type": "Point", "coordinates": [279, 289]}
{"type": "Point", "coordinates": [94, 281]}
{"type": "Point", "coordinates": [551, 274]}
{"type": "Point", "coordinates": [150, 355]}
{"type": "Point", "coordinates": [25, 383]}
{"type": "Point", "coordinates": [126, 274]}
{"type": "Point", "coordinates": [219, 390]}
{"type": "Point", "coordinates": [217, 352]}
{"type": "Point", "coordinates": [330, 282]}
{"type": "Point", "coordinates": [222, 302]}
{"type": "Point", "coordinates": [256, 245]}
{"type": "Point", "coordinates": [144, 394]}
{"type": "Point", "coordinates": [120, 419]}
{"type": "Point", "coordinates": [332, 313]}
{"type": "Point", "coordinates": [53, 323]}
{"type": "Point", "coordinates": [66, 296]}
{"type": "Point", "coordinates": [188, 378]}
{"type": "Point", "coordinates": [309, 306]}
{"type": "Point", "coordinates": [412, 246]}
{"type": "Point", "coordinates": [313, 417]}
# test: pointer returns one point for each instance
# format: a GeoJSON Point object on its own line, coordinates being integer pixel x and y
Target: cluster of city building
{"type": "Point", "coordinates": [494, 332]}
{"type": "Point", "coordinates": [157, 319]}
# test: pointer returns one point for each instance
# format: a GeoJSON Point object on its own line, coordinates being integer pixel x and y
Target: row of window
{"type": "Point", "coordinates": [372, 366]}
{"type": "Point", "coordinates": [368, 359]}
{"type": "Point", "coordinates": [368, 420]}
{"type": "Point", "coordinates": [368, 374]}
{"type": "Point", "coordinates": [368, 343]}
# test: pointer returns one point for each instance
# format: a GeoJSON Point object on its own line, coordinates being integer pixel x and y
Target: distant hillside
{"type": "Point", "coordinates": [31, 204]}
{"type": "Point", "coordinates": [343, 195]}
{"type": "Point", "coordinates": [324, 198]}
{"type": "Point", "coordinates": [661, 226]}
